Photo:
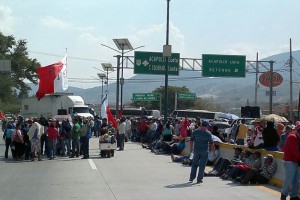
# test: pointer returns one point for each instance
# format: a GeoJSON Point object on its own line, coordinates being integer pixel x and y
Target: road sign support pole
{"type": "Point", "coordinates": [175, 101]}
{"type": "Point", "coordinates": [160, 101]}
{"type": "Point", "coordinates": [167, 71]}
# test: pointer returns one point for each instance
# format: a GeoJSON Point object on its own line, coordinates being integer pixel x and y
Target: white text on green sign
{"type": "Point", "coordinates": [223, 65]}
{"type": "Point", "coordinates": [144, 97]}
{"type": "Point", "coordinates": [186, 96]}
{"type": "Point", "coordinates": [155, 63]}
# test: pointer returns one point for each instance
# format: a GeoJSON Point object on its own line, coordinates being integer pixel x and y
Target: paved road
{"type": "Point", "coordinates": [133, 174]}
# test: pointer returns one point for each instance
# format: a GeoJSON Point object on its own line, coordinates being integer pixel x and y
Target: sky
{"type": "Point", "coordinates": [197, 27]}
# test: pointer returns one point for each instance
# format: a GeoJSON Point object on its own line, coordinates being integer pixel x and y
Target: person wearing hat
{"type": "Point", "coordinates": [291, 158]}
{"type": "Point", "coordinates": [201, 143]}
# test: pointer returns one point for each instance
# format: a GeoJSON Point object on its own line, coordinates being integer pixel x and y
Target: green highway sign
{"type": "Point", "coordinates": [223, 65]}
{"type": "Point", "coordinates": [144, 97]}
{"type": "Point", "coordinates": [155, 63]}
{"type": "Point", "coordinates": [186, 96]}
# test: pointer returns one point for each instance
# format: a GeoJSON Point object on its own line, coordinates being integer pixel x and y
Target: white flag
{"type": "Point", "coordinates": [61, 81]}
{"type": "Point", "coordinates": [104, 106]}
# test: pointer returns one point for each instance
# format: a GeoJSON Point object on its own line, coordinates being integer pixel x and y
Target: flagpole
{"type": "Point", "coordinates": [67, 67]}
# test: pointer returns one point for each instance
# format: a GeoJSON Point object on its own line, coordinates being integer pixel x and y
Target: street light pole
{"type": "Point", "coordinates": [118, 85]}
{"type": "Point", "coordinates": [122, 44]}
{"type": "Point", "coordinates": [122, 76]}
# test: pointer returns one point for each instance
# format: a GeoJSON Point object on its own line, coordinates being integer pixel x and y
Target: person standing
{"type": "Point", "coordinates": [291, 159]}
{"type": "Point", "coordinates": [185, 123]}
{"type": "Point", "coordinates": [270, 137]}
{"type": "Point", "coordinates": [201, 143]}
{"type": "Point", "coordinates": [241, 133]}
{"type": "Point", "coordinates": [128, 128]}
{"type": "Point", "coordinates": [75, 138]}
{"type": "Point", "coordinates": [18, 139]}
{"type": "Point", "coordinates": [88, 134]}
{"type": "Point", "coordinates": [52, 139]}
{"type": "Point", "coordinates": [284, 136]}
{"type": "Point", "coordinates": [7, 136]}
{"type": "Point", "coordinates": [34, 134]}
{"type": "Point", "coordinates": [121, 132]}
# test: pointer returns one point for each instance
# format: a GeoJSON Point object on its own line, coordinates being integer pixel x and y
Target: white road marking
{"type": "Point", "coordinates": [93, 166]}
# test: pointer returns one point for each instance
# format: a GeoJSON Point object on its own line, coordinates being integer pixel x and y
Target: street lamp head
{"type": "Point", "coordinates": [107, 67]}
{"type": "Point", "coordinates": [123, 44]}
{"type": "Point", "coordinates": [101, 76]}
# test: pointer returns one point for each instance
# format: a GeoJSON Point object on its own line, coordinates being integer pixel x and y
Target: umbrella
{"type": "Point", "coordinates": [274, 118]}
{"type": "Point", "coordinates": [228, 116]}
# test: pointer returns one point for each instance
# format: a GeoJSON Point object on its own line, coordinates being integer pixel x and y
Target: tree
{"type": "Point", "coordinates": [12, 85]}
{"type": "Point", "coordinates": [172, 90]}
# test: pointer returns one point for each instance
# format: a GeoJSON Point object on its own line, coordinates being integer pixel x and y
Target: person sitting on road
{"type": "Point", "coordinates": [222, 163]}
{"type": "Point", "coordinates": [237, 173]}
{"type": "Point", "coordinates": [244, 163]}
{"type": "Point", "coordinates": [264, 174]}
{"type": "Point", "coordinates": [168, 132]}
{"type": "Point", "coordinates": [187, 160]}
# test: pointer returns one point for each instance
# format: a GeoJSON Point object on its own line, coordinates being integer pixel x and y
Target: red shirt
{"type": "Point", "coordinates": [292, 148]}
{"type": "Point", "coordinates": [52, 133]}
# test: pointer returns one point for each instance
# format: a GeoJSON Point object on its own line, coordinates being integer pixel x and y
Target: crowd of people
{"type": "Point", "coordinates": [30, 138]}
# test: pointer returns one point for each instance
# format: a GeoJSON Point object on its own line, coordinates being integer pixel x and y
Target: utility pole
{"type": "Point", "coordinates": [291, 113]}
{"type": "Point", "coordinates": [271, 88]}
{"type": "Point", "coordinates": [256, 79]}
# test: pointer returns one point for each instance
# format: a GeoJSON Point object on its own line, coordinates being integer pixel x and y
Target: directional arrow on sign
{"type": "Point", "coordinates": [145, 63]}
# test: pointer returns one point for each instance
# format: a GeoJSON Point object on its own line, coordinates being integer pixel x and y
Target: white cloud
{"type": "Point", "coordinates": [154, 37]}
{"type": "Point", "coordinates": [58, 23]}
{"type": "Point", "coordinates": [6, 20]}
{"type": "Point", "coordinates": [250, 50]}
{"type": "Point", "coordinates": [92, 39]}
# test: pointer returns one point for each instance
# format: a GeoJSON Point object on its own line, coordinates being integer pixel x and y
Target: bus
{"type": "Point", "coordinates": [137, 112]}
{"type": "Point", "coordinates": [193, 114]}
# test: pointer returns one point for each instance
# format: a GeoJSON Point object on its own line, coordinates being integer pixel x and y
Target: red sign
{"type": "Point", "coordinates": [264, 79]}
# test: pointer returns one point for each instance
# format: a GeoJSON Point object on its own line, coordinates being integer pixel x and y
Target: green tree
{"type": "Point", "coordinates": [181, 104]}
{"type": "Point", "coordinates": [12, 85]}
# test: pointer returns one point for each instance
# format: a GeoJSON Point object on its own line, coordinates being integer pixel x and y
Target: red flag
{"type": "Point", "coordinates": [1, 115]}
{"type": "Point", "coordinates": [110, 117]}
{"type": "Point", "coordinates": [47, 76]}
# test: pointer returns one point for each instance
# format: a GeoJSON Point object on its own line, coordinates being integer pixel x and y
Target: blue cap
{"type": "Point", "coordinates": [205, 123]}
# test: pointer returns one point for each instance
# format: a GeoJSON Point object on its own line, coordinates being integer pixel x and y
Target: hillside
{"type": "Point", "coordinates": [232, 92]}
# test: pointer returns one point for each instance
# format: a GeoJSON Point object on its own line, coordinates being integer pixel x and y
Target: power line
{"type": "Point", "coordinates": [69, 57]}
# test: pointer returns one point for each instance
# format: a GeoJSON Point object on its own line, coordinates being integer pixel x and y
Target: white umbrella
{"type": "Point", "coordinates": [274, 118]}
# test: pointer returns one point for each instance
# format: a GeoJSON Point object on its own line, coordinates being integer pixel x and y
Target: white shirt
{"type": "Point", "coordinates": [121, 128]}
{"type": "Point", "coordinates": [153, 126]}
{"type": "Point", "coordinates": [128, 124]}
